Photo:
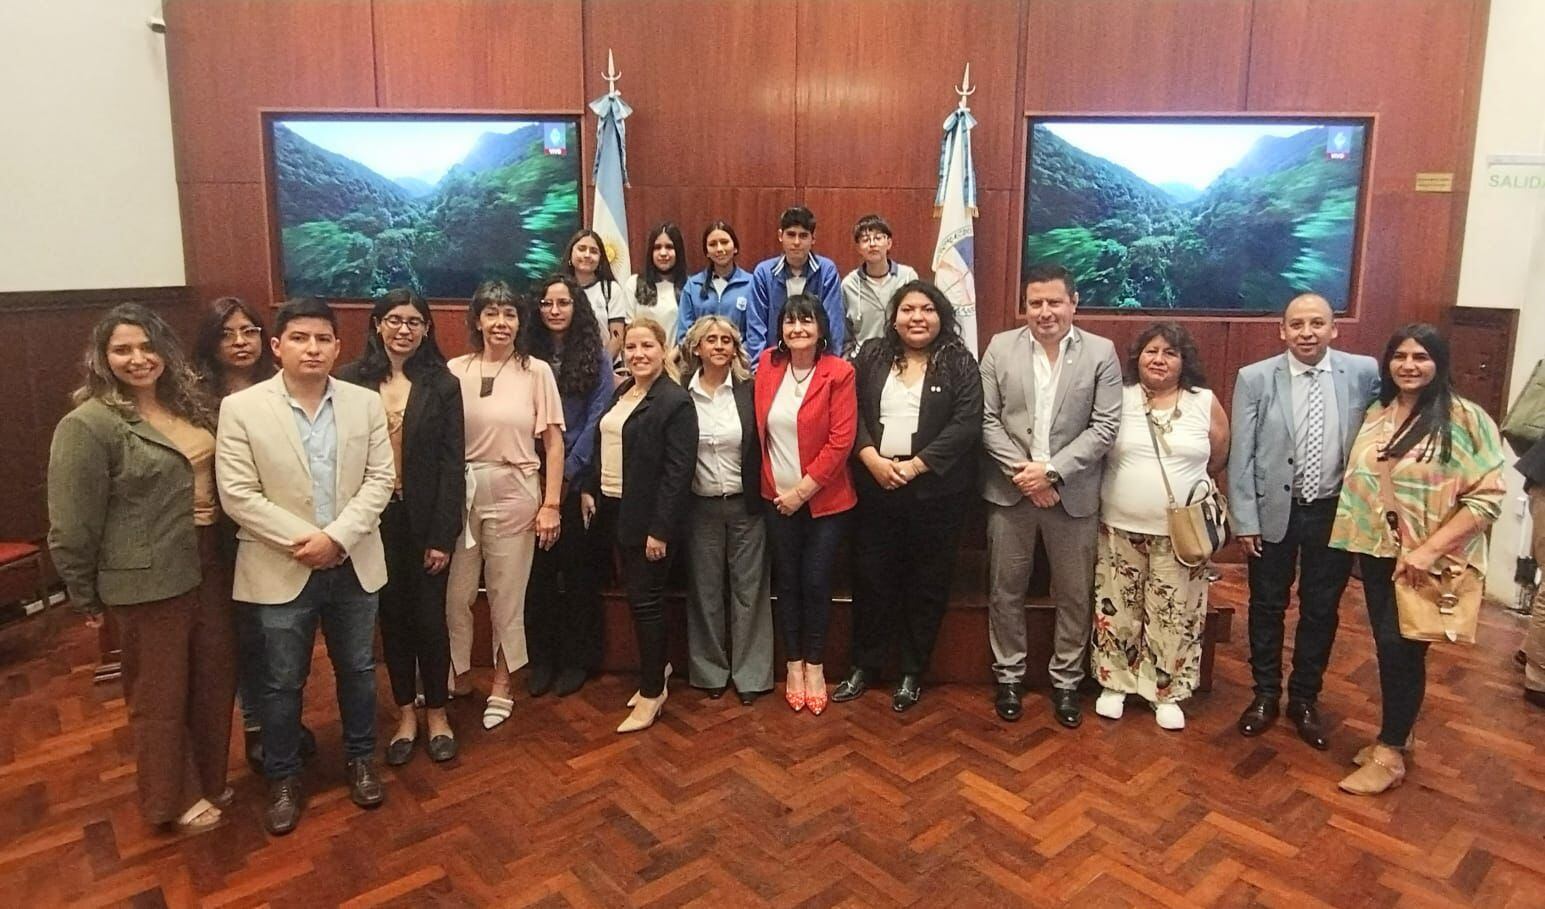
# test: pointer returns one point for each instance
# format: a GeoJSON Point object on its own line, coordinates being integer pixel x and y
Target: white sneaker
{"type": "Point", "coordinates": [1110, 704]}
{"type": "Point", "coordinates": [1169, 716]}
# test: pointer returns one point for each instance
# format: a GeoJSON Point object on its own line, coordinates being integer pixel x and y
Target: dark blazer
{"type": "Point", "coordinates": [949, 420]}
{"type": "Point", "coordinates": [659, 455]}
{"type": "Point", "coordinates": [433, 456]}
{"type": "Point", "coordinates": [750, 444]}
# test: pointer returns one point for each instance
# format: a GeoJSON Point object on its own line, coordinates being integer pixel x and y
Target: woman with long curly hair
{"type": "Point", "coordinates": [131, 509]}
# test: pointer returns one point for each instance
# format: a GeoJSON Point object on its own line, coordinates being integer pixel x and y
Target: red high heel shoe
{"type": "Point", "coordinates": [815, 694]}
{"type": "Point", "coordinates": [794, 687]}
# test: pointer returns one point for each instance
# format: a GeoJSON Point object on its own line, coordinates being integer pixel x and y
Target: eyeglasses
{"type": "Point", "coordinates": [233, 334]}
{"type": "Point", "coordinates": [396, 322]}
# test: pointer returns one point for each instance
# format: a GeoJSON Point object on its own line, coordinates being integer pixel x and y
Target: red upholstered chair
{"type": "Point", "coordinates": [21, 572]}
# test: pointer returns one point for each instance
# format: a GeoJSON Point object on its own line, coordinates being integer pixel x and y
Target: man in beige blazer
{"type": "Point", "coordinates": [304, 465]}
{"type": "Point", "coordinates": [1051, 397]}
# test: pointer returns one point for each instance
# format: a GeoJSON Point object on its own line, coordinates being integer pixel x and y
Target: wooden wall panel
{"type": "Point", "coordinates": [876, 85]}
{"type": "Point", "coordinates": [517, 55]}
{"type": "Point", "coordinates": [1138, 55]}
{"type": "Point", "coordinates": [711, 84]}
{"type": "Point", "coordinates": [226, 59]}
{"type": "Point", "coordinates": [226, 241]}
{"type": "Point", "coordinates": [1409, 62]}
{"type": "Point", "coordinates": [752, 211]}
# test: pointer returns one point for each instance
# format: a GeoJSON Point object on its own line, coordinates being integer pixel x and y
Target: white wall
{"type": "Point", "coordinates": [1504, 249]}
{"type": "Point", "coordinates": [88, 194]}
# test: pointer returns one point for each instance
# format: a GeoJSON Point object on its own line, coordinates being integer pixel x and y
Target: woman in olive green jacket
{"type": "Point", "coordinates": [131, 509]}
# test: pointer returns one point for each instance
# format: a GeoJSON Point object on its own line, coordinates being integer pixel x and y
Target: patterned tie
{"type": "Point", "coordinates": [1314, 439]}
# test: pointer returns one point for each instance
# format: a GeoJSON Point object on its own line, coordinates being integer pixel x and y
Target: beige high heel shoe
{"type": "Point", "coordinates": [645, 712]}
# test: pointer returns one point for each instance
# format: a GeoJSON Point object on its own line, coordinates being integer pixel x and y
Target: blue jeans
{"type": "Point", "coordinates": [804, 549]}
{"type": "Point", "coordinates": [249, 666]}
{"type": "Point", "coordinates": [348, 618]}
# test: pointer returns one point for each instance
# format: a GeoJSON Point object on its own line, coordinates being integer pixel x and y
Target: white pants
{"type": "Point", "coordinates": [504, 562]}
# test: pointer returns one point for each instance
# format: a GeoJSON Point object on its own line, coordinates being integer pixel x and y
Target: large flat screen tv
{"type": "Point", "coordinates": [1216, 214]}
{"type": "Point", "coordinates": [365, 202]}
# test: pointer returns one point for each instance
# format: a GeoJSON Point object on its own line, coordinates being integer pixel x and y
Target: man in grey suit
{"type": "Point", "coordinates": [1051, 406]}
{"type": "Point", "coordinates": [1295, 416]}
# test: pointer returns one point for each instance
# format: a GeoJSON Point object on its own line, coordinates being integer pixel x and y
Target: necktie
{"type": "Point", "coordinates": [1313, 452]}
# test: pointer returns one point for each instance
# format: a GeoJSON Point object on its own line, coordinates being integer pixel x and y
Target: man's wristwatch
{"type": "Point", "coordinates": [1053, 476]}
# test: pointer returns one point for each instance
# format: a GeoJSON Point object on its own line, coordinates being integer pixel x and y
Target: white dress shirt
{"type": "Point", "coordinates": [1330, 450]}
{"type": "Point", "coordinates": [1046, 374]}
{"type": "Point", "coordinates": [718, 439]}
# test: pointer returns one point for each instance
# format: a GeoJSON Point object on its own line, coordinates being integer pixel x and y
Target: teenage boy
{"type": "Point", "coordinates": [867, 289]}
{"type": "Point", "coordinates": [797, 270]}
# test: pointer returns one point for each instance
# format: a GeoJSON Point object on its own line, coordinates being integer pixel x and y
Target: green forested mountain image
{"type": "Point", "coordinates": [504, 210]}
{"type": "Point", "coordinates": [1280, 220]}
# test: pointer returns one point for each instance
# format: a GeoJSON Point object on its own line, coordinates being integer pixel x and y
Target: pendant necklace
{"type": "Point", "coordinates": [486, 383]}
{"type": "Point", "coordinates": [799, 384]}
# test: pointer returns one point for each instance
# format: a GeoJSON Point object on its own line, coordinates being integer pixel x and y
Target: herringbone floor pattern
{"type": "Point", "coordinates": [721, 805]}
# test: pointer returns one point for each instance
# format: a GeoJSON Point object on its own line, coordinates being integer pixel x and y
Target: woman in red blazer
{"type": "Point", "coordinates": [807, 416]}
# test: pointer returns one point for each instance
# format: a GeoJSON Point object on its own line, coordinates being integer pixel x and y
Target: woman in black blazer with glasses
{"type": "Point", "coordinates": [919, 424]}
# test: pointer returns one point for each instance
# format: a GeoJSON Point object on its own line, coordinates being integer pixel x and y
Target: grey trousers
{"type": "Point", "coordinates": [1012, 532]}
{"type": "Point", "coordinates": [728, 589]}
{"type": "Point", "coordinates": [1534, 639]}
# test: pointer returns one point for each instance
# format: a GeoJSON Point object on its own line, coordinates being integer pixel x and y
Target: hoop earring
{"type": "Point", "coordinates": [782, 347]}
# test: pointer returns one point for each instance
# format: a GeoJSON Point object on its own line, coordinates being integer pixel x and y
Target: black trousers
{"type": "Point", "coordinates": [644, 582]}
{"type": "Point", "coordinates": [1322, 576]}
{"type": "Point", "coordinates": [1402, 663]}
{"type": "Point", "coordinates": [563, 597]}
{"type": "Point", "coordinates": [414, 638]}
{"type": "Point", "coordinates": [905, 561]}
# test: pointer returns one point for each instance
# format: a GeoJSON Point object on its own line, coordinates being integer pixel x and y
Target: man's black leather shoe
{"type": "Point", "coordinates": [747, 698]}
{"type": "Point", "coordinates": [1259, 716]}
{"type": "Point", "coordinates": [851, 687]}
{"type": "Point", "coordinates": [1007, 701]}
{"type": "Point", "coordinates": [365, 788]}
{"type": "Point", "coordinates": [284, 806]}
{"type": "Point", "coordinates": [1064, 706]}
{"type": "Point", "coordinates": [906, 694]}
{"type": "Point", "coordinates": [1306, 719]}
{"type": "Point", "coordinates": [716, 692]}
{"type": "Point", "coordinates": [540, 680]}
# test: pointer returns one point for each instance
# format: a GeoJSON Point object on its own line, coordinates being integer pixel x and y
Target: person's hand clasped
{"type": "Point", "coordinates": [654, 550]}
{"type": "Point", "coordinates": [548, 526]}
{"type": "Point", "coordinates": [886, 473]}
{"type": "Point", "coordinates": [436, 560]}
{"type": "Point", "coordinates": [789, 501]}
{"type": "Point", "coordinates": [318, 551]}
{"type": "Point", "coordinates": [1045, 498]}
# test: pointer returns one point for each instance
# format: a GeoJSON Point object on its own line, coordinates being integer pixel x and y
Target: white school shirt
{"type": "Point", "coordinates": [665, 306]}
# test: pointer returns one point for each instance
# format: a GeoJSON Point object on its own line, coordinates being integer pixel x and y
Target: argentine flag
{"type": "Point", "coordinates": [954, 255]}
{"type": "Point", "coordinates": [609, 215]}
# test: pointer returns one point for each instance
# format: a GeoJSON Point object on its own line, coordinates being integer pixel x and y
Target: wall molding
{"type": "Point", "coordinates": [54, 300]}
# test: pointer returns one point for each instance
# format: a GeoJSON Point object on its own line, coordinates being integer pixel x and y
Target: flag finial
{"type": "Point", "coordinates": [965, 89]}
{"type": "Point", "coordinates": [611, 75]}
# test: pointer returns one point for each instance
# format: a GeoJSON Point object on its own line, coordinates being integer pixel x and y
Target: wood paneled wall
{"type": "Point", "coordinates": [743, 108]}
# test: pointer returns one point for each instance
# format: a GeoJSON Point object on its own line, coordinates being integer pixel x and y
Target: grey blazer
{"type": "Point", "coordinates": [1260, 464]}
{"type": "Point", "coordinates": [1085, 416]}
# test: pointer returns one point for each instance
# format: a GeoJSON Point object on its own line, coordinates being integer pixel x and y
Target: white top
{"type": "Point", "coordinates": [719, 284]}
{"type": "Point", "coordinates": [1046, 374]}
{"type": "Point", "coordinates": [618, 307]}
{"type": "Point", "coordinates": [795, 284]}
{"type": "Point", "coordinates": [783, 435]}
{"type": "Point", "coordinates": [1132, 495]}
{"type": "Point", "coordinates": [718, 439]}
{"type": "Point", "coordinates": [1330, 448]}
{"type": "Point", "coordinates": [899, 406]}
{"type": "Point", "coordinates": [665, 306]}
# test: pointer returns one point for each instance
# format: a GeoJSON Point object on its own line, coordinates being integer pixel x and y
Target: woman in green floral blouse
{"type": "Point", "coordinates": [1444, 459]}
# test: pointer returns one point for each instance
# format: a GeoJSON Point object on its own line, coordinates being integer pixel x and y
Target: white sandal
{"type": "Point", "coordinates": [496, 711]}
{"type": "Point", "coordinates": [201, 815]}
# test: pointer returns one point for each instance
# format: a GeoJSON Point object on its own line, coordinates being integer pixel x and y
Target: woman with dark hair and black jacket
{"type": "Point", "coordinates": [420, 523]}
{"type": "Point", "coordinates": [919, 424]}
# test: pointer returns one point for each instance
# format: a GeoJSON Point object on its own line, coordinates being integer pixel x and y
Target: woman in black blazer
{"type": "Point", "coordinates": [919, 423]}
{"type": "Point", "coordinates": [421, 522]}
{"type": "Point", "coordinates": [639, 488]}
{"type": "Point", "coordinates": [729, 577]}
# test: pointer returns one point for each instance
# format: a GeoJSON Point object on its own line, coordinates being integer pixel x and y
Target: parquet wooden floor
{"type": "Point", "coordinates": [721, 805]}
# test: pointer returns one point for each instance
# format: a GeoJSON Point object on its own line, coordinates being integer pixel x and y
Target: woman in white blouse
{"type": "Point", "coordinates": [729, 577]}
{"type": "Point", "coordinates": [655, 292]}
{"type": "Point", "coordinates": [1150, 609]}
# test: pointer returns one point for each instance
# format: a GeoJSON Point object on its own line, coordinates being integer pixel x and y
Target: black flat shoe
{"type": "Point", "coordinates": [1259, 716]}
{"type": "Point", "coordinates": [715, 693]}
{"type": "Point", "coordinates": [569, 681]}
{"type": "Point", "coordinates": [442, 748]}
{"type": "Point", "coordinates": [540, 680]}
{"type": "Point", "coordinates": [1535, 697]}
{"type": "Point", "coordinates": [851, 687]}
{"type": "Point", "coordinates": [747, 698]}
{"type": "Point", "coordinates": [399, 751]}
{"type": "Point", "coordinates": [906, 695]}
{"type": "Point", "coordinates": [365, 789]}
{"type": "Point", "coordinates": [1306, 719]}
{"type": "Point", "coordinates": [1007, 702]}
{"type": "Point", "coordinates": [1064, 706]}
{"type": "Point", "coordinates": [284, 806]}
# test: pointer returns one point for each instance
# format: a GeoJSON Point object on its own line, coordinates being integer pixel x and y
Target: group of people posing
{"type": "Point", "coordinates": [222, 506]}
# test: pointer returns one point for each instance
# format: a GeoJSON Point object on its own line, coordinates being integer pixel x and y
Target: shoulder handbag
{"type": "Point", "coordinates": [1198, 528]}
{"type": "Point", "coordinates": [1444, 605]}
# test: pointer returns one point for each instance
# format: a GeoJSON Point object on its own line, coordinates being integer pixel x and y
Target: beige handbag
{"type": "Point", "coordinates": [1198, 528]}
{"type": "Point", "coordinates": [1444, 605]}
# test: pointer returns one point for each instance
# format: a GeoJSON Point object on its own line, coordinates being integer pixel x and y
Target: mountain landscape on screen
{"type": "Point", "coordinates": [1276, 220]}
{"type": "Point", "coordinates": [503, 208]}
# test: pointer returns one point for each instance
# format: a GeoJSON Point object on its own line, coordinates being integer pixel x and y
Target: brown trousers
{"type": "Point", "coordinates": [179, 675]}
